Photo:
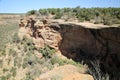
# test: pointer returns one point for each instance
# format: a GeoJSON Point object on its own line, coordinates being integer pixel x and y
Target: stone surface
{"type": "Point", "coordinates": [78, 76]}
{"type": "Point", "coordinates": [80, 43]}
{"type": "Point", "coordinates": [38, 54]}
{"type": "Point", "coordinates": [42, 33]}
{"type": "Point", "coordinates": [64, 72]}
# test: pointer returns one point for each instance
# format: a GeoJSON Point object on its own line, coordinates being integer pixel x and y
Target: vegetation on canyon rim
{"type": "Point", "coordinates": [107, 16]}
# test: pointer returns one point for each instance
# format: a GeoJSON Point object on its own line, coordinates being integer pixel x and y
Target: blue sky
{"type": "Point", "coordinates": [22, 6]}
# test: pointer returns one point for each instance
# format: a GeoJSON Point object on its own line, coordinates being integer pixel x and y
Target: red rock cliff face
{"type": "Point", "coordinates": [86, 44]}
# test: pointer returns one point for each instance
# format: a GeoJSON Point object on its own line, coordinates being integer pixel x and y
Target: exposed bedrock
{"type": "Point", "coordinates": [77, 42]}
{"type": "Point", "coordinates": [103, 45]}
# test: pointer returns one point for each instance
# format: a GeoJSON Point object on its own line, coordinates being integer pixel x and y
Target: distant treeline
{"type": "Point", "coordinates": [106, 16]}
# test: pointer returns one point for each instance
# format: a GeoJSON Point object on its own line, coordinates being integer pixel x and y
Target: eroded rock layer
{"type": "Point", "coordinates": [86, 44]}
{"type": "Point", "coordinates": [76, 41]}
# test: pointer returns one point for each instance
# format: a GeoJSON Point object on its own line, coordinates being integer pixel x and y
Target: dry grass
{"type": "Point", "coordinates": [8, 26]}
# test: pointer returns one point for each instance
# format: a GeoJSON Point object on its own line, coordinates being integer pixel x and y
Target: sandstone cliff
{"type": "Point", "coordinates": [79, 42]}
{"type": "Point", "coordinates": [86, 44]}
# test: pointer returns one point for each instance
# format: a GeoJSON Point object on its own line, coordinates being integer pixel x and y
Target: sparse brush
{"type": "Point", "coordinates": [47, 52]}
{"type": "Point", "coordinates": [25, 62]}
{"type": "Point", "coordinates": [61, 61]}
{"type": "Point", "coordinates": [28, 76]}
{"type": "Point", "coordinates": [12, 52]}
{"type": "Point", "coordinates": [8, 76]}
{"type": "Point", "coordinates": [5, 70]}
{"type": "Point", "coordinates": [13, 71]}
{"type": "Point", "coordinates": [3, 78]}
{"type": "Point", "coordinates": [96, 72]}
{"type": "Point", "coordinates": [16, 38]}
{"type": "Point", "coordinates": [6, 31]}
{"type": "Point", "coordinates": [28, 45]}
{"type": "Point", "coordinates": [57, 77]}
{"type": "Point", "coordinates": [2, 52]}
{"type": "Point", "coordinates": [1, 63]}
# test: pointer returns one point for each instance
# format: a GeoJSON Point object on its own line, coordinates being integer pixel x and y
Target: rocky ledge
{"type": "Point", "coordinates": [77, 41]}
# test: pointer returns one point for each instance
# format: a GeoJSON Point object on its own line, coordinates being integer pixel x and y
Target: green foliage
{"type": "Point", "coordinates": [9, 59]}
{"type": "Point", "coordinates": [96, 72]}
{"type": "Point", "coordinates": [58, 15]}
{"type": "Point", "coordinates": [17, 62]}
{"type": "Point", "coordinates": [5, 70]}
{"type": "Point", "coordinates": [12, 52]}
{"type": "Point", "coordinates": [3, 78]}
{"type": "Point", "coordinates": [57, 77]}
{"type": "Point", "coordinates": [32, 12]}
{"type": "Point", "coordinates": [52, 11]}
{"type": "Point", "coordinates": [2, 51]}
{"type": "Point", "coordinates": [43, 12]}
{"type": "Point", "coordinates": [81, 19]}
{"type": "Point", "coordinates": [47, 52]}
{"type": "Point", "coordinates": [64, 61]}
{"type": "Point", "coordinates": [86, 14]}
{"type": "Point", "coordinates": [8, 76]}
{"type": "Point", "coordinates": [16, 38]}
{"type": "Point", "coordinates": [28, 45]}
{"type": "Point", "coordinates": [7, 30]}
{"type": "Point", "coordinates": [25, 62]}
{"type": "Point", "coordinates": [1, 63]}
{"type": "Point", "coordinates": [13, 71]}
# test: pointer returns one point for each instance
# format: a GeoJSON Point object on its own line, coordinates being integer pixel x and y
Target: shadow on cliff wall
{"type": "Point", "coordinates": [91, 45]}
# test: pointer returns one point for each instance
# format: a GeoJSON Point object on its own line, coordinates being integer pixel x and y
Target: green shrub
{"type": "Point", "coordinates": [24, 65]}
{"type": "Point", "coordinates": [28, 45]}
{"type": "Point", "coordinates": [2, 51]}
{"type": "Point", "coordinates": [8, 76]}
{"type": "Point", "coordinates": [107, 22]}
{"type": "Point", "coordinates": [25, 62]}
{"type": "Point", "coordinates": [3, 78]}
{"type": "Point", "coordinates": [115, 21]}
{"type": "Point", "coordinates": [97, 22]}
{"type": "Point", "coordinates": [16, 38]}
{"type": "Point", "coordinates": [29, 76]}
{"type": "Point", "coordinates": [1, 63]}
{"type": "Point", "coordinates": [96, 72]}
{"type": "Point", "coordinates": [29, 54]}
{"type": "Point", "coordinates": [57, 77]}
{"type": "Point", "coordinates": [47, 52]}
{"type": "Point", "coordinates": [32, 12]}
{"type": "Point", "coordinates": [5, 70]}
{"type": "Point", "coordinates": [81, 19]}
{"type": "Point", "coordinates": [9, 59]}
{"type": "Point", "coordinates": [17, 61]}
{"type": "Point", "coordinates": [58, 60]}
{"type": "Point", "coordinates": [13, 71]}
{"type": "Point", "coordinates": [64, 61]}
{"type": "Point", "coordinates": [58, 15]}
{"type": "Point", "coordinates": [12, 52]}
